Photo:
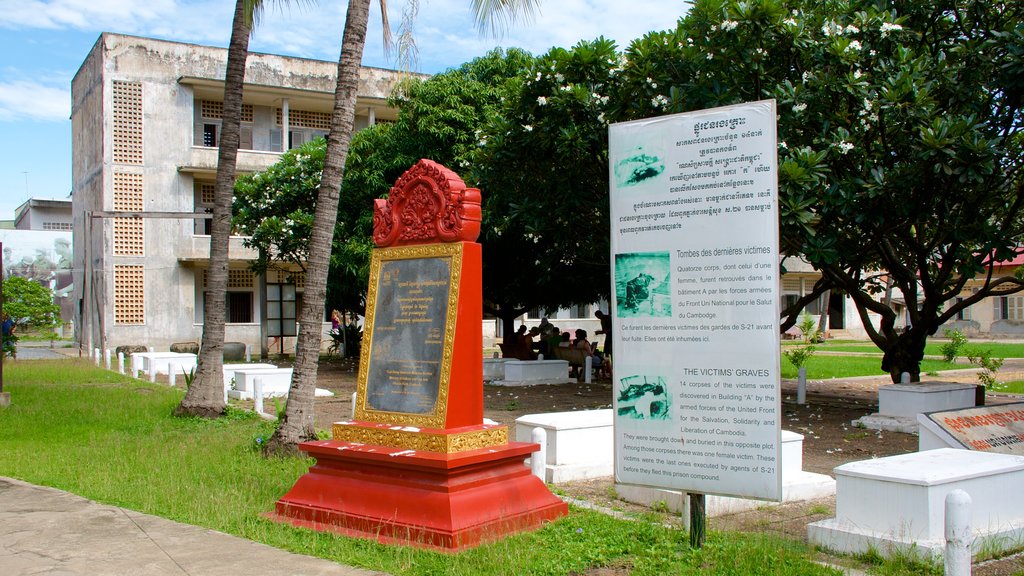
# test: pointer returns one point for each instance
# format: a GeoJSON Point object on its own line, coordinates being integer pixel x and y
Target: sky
{"type": "Point", "coordinates": [43, 43]}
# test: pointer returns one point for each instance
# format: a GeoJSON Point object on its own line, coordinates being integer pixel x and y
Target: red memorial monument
{"type": "Point", "coordinates": [418, 465]}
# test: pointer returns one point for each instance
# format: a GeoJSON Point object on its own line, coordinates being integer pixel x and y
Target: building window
{"type": "Point", "coordinates": [57, 226]}
{"type": "Point", "coordinates": [964, 314]}
{"type": "Point", "coordinates": [129, 295]}
{"type": "Point", "coordinates": [239, 308]}
{"type": "Point", "coordinates": [210, 135]}
{"type": "Point", "coordinates": [1009, 308]}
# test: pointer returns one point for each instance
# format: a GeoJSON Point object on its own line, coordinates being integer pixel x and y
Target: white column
{"type": "Point", "coordinates": [588, 369]}
{"type": "Point", "coordinates": [801, 385]}
{"type": "Point", "coordinates": [257, 386]}
{"type": "Point", "coordinates": [106, 358]}
{"type": "Point", "coordinates": [958, 533]}
{"type": "Point", "coordinates": [120, 362]}
{"type": "Point", "coordinates": [539, 458]}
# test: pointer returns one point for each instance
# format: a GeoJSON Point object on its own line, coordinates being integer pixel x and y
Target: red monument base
{"type": "Point", "coordinates": [445, 501]}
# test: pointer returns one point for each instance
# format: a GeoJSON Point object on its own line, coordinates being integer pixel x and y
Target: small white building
{"type": "Point", "coordinates": [145, 126]}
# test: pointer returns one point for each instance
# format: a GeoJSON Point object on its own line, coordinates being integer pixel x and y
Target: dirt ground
{"type": "Point", "coordinates": [825, 422]}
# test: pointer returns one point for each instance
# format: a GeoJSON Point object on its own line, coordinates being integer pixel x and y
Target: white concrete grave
{"type": "Point", "coordinates": [494, 369]}
{"type": "Point", "coordinates": [579, 444]}
{"type": "Point", "coordinates": [533, 372]}
{"type": "Point", "coordinates": [229, 372]}
{"type": "Point", "coordinates": [152, 363]}
{"type": "Point", "coordinates": [899, 404]}
{"type": "Point", "coordinates": [276, 382]}
{"type": "Point", "coordinates": [797, 486]}
{"type": "Point", "coordinates": [895, 505]}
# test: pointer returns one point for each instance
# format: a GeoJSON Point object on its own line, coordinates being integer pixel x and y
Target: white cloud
{"type": "Point", "coordinates": [86, 14]}
{"type": "Point", "coordinates": [27, 100]}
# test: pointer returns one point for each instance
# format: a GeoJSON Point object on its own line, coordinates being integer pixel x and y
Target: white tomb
{"type": "Point", "coordinates": [895, 505]}
{"type": "Point", "coordinates": [797, 486]}
{"type": "Point", "coordinates": [161, 362]}
{"type": "Point", "coordinates": [533, 372]}
{"type": "Point", "coordinates": [579, 444]}
{"type": "Point", "coordinates": [229, 372]}
{"type": "Point", "coordinates": [899, 404]}
{"type": "Point", "coordinates": [494, 369]}
{"type": "Point", "coordinates": [275, 381]}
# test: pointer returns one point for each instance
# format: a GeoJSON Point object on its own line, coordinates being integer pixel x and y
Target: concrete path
{"type": "Point", "coordinates": [44, 531]}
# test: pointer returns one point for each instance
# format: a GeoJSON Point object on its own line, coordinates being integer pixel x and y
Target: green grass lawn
{"type": "Point", "coordinates": [822, 366]}
{"type": "Point", "coordinates": [112, 439]}
{"type": "Point", "coordinates": [932, 348]}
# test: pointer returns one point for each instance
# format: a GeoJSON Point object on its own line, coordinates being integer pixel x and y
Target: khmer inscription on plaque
{"type": "Point", "coordinates": [408, 335]}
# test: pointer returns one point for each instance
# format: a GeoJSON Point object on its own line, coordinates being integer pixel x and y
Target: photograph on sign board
{"type": "Point", "coordinates": [637, 167]}
{"type": "Point", "coordinates": [643, 397]}
{"type": "Point", "coordinates": [642, 285]}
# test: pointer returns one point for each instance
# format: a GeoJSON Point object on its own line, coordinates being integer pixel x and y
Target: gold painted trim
{"type": "Point", "coordinates": [422, 441]}
{"type": "Point", "coordinates": [435, 419]}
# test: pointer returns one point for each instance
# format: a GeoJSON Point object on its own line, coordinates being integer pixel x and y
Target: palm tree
{"type": "Point", "coordinates": [205, 395]}
{"type": "Point", "coordinates": [298, 425]}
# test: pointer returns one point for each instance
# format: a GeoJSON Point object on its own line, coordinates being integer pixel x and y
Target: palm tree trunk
{"type": "Point", "coordinates": [298, 425]}
{"type": "Point", "coordinates": [205, 397]}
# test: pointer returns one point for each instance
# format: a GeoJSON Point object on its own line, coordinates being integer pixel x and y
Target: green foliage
{"type": "Point", "coordinates": [955, 346]}
{"type": "Point", "coordinates": [29, 304]}
{"type": "Point", "coordinates": [810, 334]}
{"type": "Point", "coordinates": [543, 168]}
{"type": "Point", "coordinates": [899, 136]}
{"type": "Point", "coordinates": [190, 375]}
{"type": "Point", "coordinates": [990, 366]}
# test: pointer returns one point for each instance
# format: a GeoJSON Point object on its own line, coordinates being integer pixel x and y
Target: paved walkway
{"type": "Point", "coordinates": [44, 531]}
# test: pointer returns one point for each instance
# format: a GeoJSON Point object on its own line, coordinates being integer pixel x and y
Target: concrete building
{"type": "Point", "coordinates": [145, 126]}
{"type": "Point", "coordinates": [43, 214]}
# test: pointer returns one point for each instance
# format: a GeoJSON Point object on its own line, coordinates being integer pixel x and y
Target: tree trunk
{"type": "Point", "coordinates": [205, 396]}
{"type": "Point", "coordinates": [904, 354]}
{"type": "Point", "coordinates": [298, 423]}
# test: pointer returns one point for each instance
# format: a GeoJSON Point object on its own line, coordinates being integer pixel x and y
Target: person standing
{"type": "Point", "coordinates": [606, 329]}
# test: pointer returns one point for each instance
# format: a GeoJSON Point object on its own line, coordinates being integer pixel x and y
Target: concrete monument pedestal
{"type": "Point", "coordinates": [896, 505]}
{"type": "Point", "coordinates": [417, 465]}
{"type": "Point", "coordinates": [899, 404]}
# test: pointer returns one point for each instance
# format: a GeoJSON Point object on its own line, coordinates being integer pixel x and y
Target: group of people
{"type": "Point", "coordinates": [550, 337]}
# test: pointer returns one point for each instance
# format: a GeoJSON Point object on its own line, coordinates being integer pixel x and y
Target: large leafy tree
{"type": "Point", "coordinates": [29, 303]}
{"type": "Point", "coordinates": [900, 142]}
{"type": "Point", "coordinates": [543, 165]}
{"type": "Point", "coordinates": [298, 424]}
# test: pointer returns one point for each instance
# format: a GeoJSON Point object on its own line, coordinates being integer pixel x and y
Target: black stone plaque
{"type": "Point", "coordinates": [408, 335]}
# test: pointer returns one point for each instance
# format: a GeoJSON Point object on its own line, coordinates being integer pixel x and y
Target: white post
{"type": "Point", "coordinates": [539, 458]}
{"type": "Point", "coordinates": [96, 355]}
{"type": "Point", "coordinates": [135, 365]}
{"type": "Point", "coordinates": [120, 362]}
{"type": "Point", "coordinates": [258, 395]}
{"type": "Point", "coordinates": [248, 353]}
{"type": "Point", "coordinates": [958, 533]}
{"type": "Point", "coordinates": [354, 405]}
{"type": "Point", "coordinates": [172, 375]}
{"type": "Point", "coordinates": [801, 385]}
{"type": "Point", "coordinates": [588, 369]}
{"type": "Point", "coordinates": [150, 349]}
{"type": "Point", "coordinates": [905, 378]}
{"type": "Point", "coordinates": [106, 358]}
{"type": "Point", "coordinates": [152, 371]}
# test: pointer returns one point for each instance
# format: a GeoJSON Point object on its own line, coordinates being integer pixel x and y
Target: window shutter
{"type": "Point", "coordinates": [245, 138]}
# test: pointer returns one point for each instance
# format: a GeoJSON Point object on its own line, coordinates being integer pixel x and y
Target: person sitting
{"type": "Point", "coordinates": [582, 343]}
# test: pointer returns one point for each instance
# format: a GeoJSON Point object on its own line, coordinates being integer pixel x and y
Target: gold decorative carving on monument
{"type": "Point", "coordinates": [419, 440]}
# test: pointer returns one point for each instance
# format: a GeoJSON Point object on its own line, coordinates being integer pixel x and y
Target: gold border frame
{"type": "Point", "coordinates": [423, 441]}
{"type": "Point", "coordinates": [435, 419]}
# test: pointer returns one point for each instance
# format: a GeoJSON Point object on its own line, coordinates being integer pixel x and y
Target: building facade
{"type": "Point", "coordinates": [146, 120]}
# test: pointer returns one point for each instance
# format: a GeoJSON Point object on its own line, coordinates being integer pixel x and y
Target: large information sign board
{"type": "Point", "coordinates": [695, 300]}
